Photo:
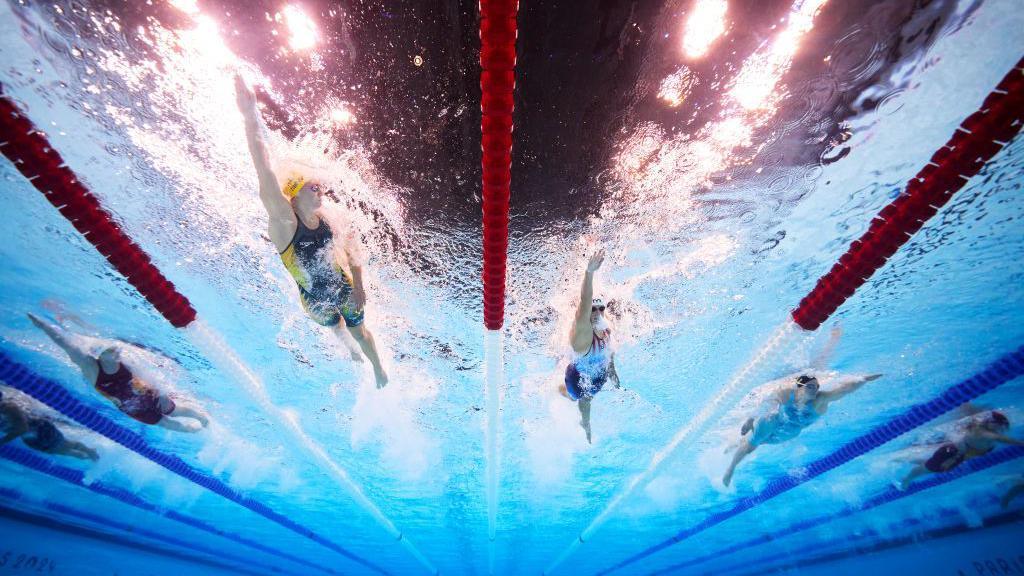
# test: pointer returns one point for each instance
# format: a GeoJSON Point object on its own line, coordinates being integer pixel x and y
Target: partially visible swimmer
{"type": "Point", "coordinates": [310, 248]}
{"type": "Point", "coordinates": [971, 437]}
{"type": "Point", "coordinates": [116, 382]}
{"type": "Point", "coordinates": [793, 407]}
{"type": "Point", "coordinates": [1014, 491]}
{"type": "Point", "coordinates": [37, 431]}
{"type": "Point", "coordinates": [593, 363]}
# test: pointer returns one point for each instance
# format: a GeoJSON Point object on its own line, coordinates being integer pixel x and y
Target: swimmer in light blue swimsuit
{"type": "Point", "coordinates": [797, 405]}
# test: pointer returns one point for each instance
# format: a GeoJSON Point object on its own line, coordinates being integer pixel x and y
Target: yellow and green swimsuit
{"type": "Point", "coordinates": [325, 288]}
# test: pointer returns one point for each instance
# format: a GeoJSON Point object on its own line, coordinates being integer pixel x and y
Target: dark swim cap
{"type": "Point", "coordinates": [998, 418]}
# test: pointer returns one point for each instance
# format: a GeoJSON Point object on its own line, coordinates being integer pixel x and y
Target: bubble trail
{"type": "Point", "coordinates": [214, 348]}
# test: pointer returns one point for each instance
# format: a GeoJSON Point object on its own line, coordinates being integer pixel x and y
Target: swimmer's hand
{"type": "Point", "coordinates": [36, 320]}
{"type": "Point", "coordinates": [595, 261]}
{"type": "Point", "coordinates": [871, 377]}
{"type": "Point", "coordinates": [245, 97]}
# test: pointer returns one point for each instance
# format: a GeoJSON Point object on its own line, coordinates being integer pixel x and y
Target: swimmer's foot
{"type": "Point", "coordinates": [381, 377]}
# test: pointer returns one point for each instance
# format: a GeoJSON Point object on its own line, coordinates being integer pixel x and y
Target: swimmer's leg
{"type": "Point", "coordinates": [79, 355]}
{"type": "Point", "coordinates": [186, 411]}
{"type": "Point", "coordinates": [744, 449]}
{"type": "Point", "coordinates": [364, 338]}
{"type": "Point", "coordinates": [172, 423]}
{"type": "Point", "coordinates": [916, 472]}
{"type": "Point", "coordinates": [76, 450]}
{"type": "Point", "coordinates": [584, 406]}
{"type": "Point", "coordinates": [563, 391]}
{"type": "Point", "coordinates": [1012, 493]}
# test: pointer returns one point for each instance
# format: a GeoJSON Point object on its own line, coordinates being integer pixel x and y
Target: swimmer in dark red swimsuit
{"type": "Point", "coordinates": [37, 431]}
{"type": "Point", "coordinates": [974, 436]}
{"type": "Point", "coordinates": [115, 381]}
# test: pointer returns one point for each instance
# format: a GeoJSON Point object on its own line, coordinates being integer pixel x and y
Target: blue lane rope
{"type": "Point", "coordinates": [219, 556]}
{"type": "Point", "coordinates": [54, 395]}
{"type": "Point", "coordinates": [889, 495]}
{"type": "Point", "coordinates": [77, 477]}
{"type": "Point", "coordinates": [999, 372]}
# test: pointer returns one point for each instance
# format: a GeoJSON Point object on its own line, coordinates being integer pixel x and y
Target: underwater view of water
{"type": "Point", "coordinates": [723, 154]}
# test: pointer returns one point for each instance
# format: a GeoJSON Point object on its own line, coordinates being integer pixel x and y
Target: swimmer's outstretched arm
{"type": "Point", "coordinates": [282, 218]}
{"type": "Point", "coordinates": [1001, 438]}
{"type": "Point", "coordinates": [85, 361]}
{"type": "Point", "coordinates": [582, 334]}
{"type": "Point", "coordinates": [848, 384]}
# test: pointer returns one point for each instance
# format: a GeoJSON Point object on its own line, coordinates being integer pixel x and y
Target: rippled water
{"type": "Point", "coordinates": [721, 186]}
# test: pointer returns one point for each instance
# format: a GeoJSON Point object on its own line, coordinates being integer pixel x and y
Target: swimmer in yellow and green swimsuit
{"type": "Point", "coordinates": [310, 249]}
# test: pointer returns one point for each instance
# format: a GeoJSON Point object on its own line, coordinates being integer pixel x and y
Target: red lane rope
{"type": "Point", "coordinates": [975, 142]}
{"type": "Point", "coordinates": [30, 152]}
{"type": "Point", "coordinates": [497, 82]}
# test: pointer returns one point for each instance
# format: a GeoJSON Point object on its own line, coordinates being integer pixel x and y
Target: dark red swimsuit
{"type": "Point", "coordinates": [143, 406]}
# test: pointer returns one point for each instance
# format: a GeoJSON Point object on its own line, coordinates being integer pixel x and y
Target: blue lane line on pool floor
{"type": "Point", "coordinates": [217, 557]}
{"type": "Point", "coordinates": [77, 478]}
{"type": "Point", "coordinates": [885, 543]}
{"type": "Point", "coordinates": [891, 495]}
{"type": "Point", "coordinates": [994, 375]}
{"type": "Point", "coordinates": [55, 396]}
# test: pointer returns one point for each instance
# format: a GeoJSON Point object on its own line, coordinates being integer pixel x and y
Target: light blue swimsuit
{"type": "Point", "coordinates": [785, 423]}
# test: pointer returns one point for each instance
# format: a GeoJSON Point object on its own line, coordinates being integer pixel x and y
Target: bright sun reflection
{"type": "Point", "coordinates": [755, 84]}
{"type": "Point", "coordinates": [654, 167]}
{"type": "Point", "coordinates": [301, 29]}
{"type": "Point", "coordinates": [676, 86]}
{"type": "Point", "coordinates": [342, 116]}
{"type": "Point", "coordinates": [704, 26]}
{"type": "Point", "coordinates": [186, 6]}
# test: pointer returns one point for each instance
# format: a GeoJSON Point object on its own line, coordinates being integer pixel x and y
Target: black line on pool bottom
{"type": "Point", "coordinates": [53, 524]}
{"type": "Point", "coordinates": [899, 542]}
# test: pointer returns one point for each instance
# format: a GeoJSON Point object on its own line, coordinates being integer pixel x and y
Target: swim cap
{"type": "Point", "coordinates": [292, 186]}
{"type": "Point", "coordinates": [998, 418]}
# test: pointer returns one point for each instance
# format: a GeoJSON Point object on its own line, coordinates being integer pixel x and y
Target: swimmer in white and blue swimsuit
{"type": "Point", "coordinates": [797, 405]}
{"type": "Point", "coordinates": [593, 363]}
